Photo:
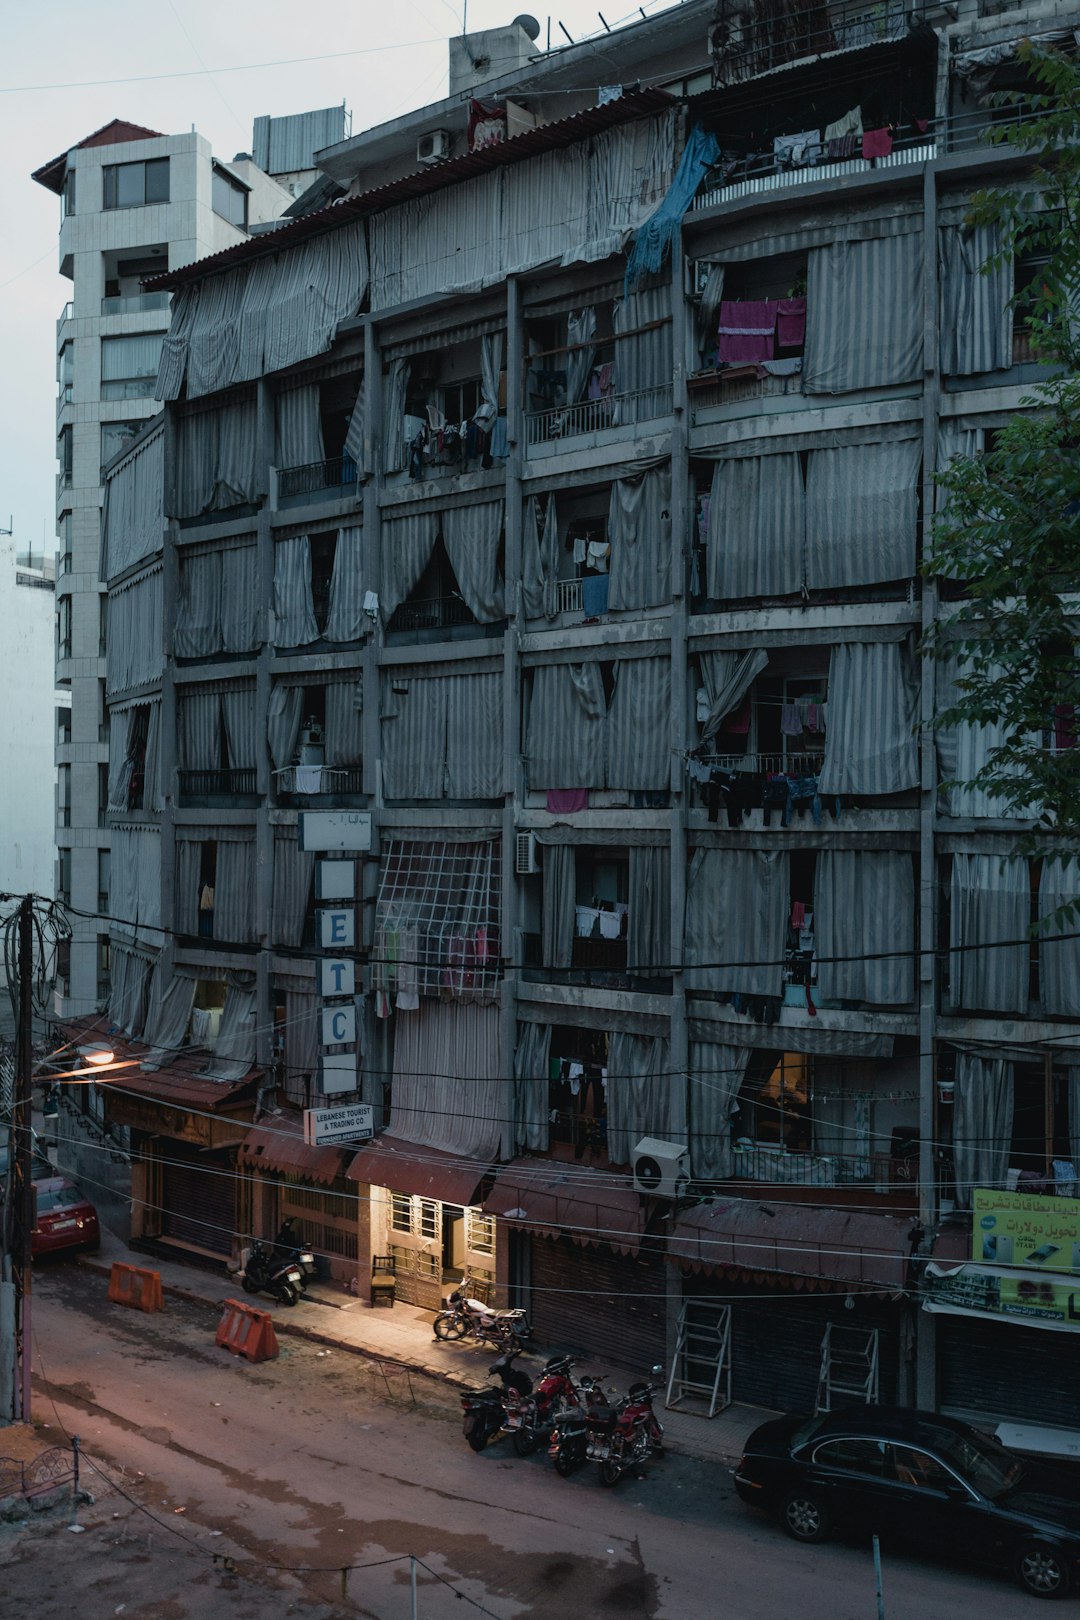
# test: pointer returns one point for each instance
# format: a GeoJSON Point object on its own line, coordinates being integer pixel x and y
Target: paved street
{"type": "Point", "coordinates": [313, 1463]}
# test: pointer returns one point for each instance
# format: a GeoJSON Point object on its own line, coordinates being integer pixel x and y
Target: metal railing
{"type": "Point", "coordinates": [778, 1166]}
{"type": "Point", "coordinates": [238, 781]}
{"type": "Point", "coordinates": [763, 45]}
{"type": "Point", "coordinates": [710, 391]}
{"type": "Point", "coordinates": [431, 613]}
{"type": "Point", "coordinates": [965, 130]}
{"type": "Point", "coordinates": [596, 415]}
{"type": "Point", "coordinates": [801, 764]}
{"type": "Point", "coordinates": [310, 781]}
{"type": "Point", "coordinates": [134, 303]}
{"type": "Point", "coordinates": [746, 177]}
{"type": "Point", "coordinates": [315, 476]}
{"type": "Point", "coordinates": [568, 595]}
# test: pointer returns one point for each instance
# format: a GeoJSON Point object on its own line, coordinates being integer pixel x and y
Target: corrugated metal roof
{"type": "Point", "coordinates": [426, 1171]}
{"type": "Point", "coordinates": [841, 1245]}
{"type": "Point", "coordinates": [281, 145]}
{"type": "Point", "coordinates": [114, 133]}
{"type": "Point", "coordinates": [280, 1146]}
{"type": "Point", "coordinates": [177, 1083]}
{"type": "Point", "coordinates": [548, 137]}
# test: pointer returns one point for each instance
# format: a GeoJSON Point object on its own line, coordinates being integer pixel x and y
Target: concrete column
{"type": "Point", "coordinates": [512, 784]}
{"type": "Point", "coordinates": [681, 523]}
{"type": "Point", "coordinates": [375, 1033]}
{"type": "Point", "coordinates": [264, 832]}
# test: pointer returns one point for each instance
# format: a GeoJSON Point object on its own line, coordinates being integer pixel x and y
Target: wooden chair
{"type": "Point", "coordinates": [383, 1279]}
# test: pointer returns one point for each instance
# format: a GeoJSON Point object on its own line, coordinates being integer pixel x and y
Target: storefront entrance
{"type": "Point", "coordinates": [198, 1196]}
{"type": "Point", "coordinates": [999, 1370]}
{"type": "Point", "coordinates": [437, 1245]}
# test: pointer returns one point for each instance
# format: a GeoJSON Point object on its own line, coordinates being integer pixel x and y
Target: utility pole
{"type": "Point", "coordinates": [20, 1182]}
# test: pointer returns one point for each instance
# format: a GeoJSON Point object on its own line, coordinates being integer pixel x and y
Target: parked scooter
{"type": "Point", "coordinates": [531, 1417]}
{"type": "Point", "coordinates": [289, 1245]}
{"type": "Point", "coordinates": [486, 1409]}
{"type": "Point", "coordinates": [265, 1273]}
{"type": "Point", "coordinates": [464, 1317]}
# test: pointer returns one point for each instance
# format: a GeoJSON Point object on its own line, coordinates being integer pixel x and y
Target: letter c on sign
{"type": "Point", "coordinates": [338, 1025]}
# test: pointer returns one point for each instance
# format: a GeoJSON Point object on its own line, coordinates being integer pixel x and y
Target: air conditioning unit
{"type": "Point", "coordinates": [433, 147]}
{"type": "Point", "coordinates": [526, 854]}
{"type": "Point", "coordinates": [661, 1169]}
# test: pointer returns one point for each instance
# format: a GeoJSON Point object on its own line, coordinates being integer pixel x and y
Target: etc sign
{"type": "Point", "coordinates": [335, 894]}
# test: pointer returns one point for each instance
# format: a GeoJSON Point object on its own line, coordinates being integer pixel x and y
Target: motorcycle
{"type": "Point", "coordinates": [265, 1273]}
{"type": "Point", "coordinates": [569, 1442]}
{"type": "Point", "coordinates": [289, 1246]}
{"type": "Point", "coordinates": [486, 1409]}
{"type": "Point", "coordinates": [617, 1437]}
{"type": "Point", "coordinates": [463, 1317]}
{"type": "Point", "coordinates": [533, 1415]}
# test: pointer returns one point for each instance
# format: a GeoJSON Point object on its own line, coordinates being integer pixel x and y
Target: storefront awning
{"type": "Point", "coordinates": [425, 1171]}
{"type": "Point", "coordinates": [747, 1235]}
{"type": "Point", "coordinates": [280, 1146]}
{"type": "Point", "coordinates": [569, 1200]}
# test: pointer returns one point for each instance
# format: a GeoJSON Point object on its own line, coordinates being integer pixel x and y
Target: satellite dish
{"type": "Point", "coordinates": [528, 25]}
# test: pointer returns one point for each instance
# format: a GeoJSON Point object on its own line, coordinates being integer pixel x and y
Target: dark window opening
{"type": "Point", "coordinates": [323, 548]}
{"type": "Point", "coordinates": [133, 185]}
{"type": "Point", "coordinates": [576, 1093]}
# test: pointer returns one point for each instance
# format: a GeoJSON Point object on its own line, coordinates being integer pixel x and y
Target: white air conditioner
{"type": "Point", "coordinates": [433, 147]}
{"type": "Point", "coordinates": [526, 854]}
{"type": "Point", "coordinates": [661, 1169]}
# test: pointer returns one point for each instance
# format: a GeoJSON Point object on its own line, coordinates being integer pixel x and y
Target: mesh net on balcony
{"type": "Point", "coordinates": [437, 921]}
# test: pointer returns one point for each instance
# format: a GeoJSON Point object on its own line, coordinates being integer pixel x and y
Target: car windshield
{"type": "Point", "coordinates": [986, 1465]}
{"type": "Point", "coordinates": [56, 1198]}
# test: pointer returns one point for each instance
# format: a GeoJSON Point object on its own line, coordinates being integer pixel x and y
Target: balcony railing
{"type": "Point", "coordinates": [746, 177]}
{"type": "Point", "coordinates": [779, 1167]}
{"type": "Point", "coordinates": [234, 783]}
{"type": "Point", "coordinates": [134, 303]}
{"type": "Point", "coordinates": [767, 43]}
{"type": "Point", "coordinates": [315, 477]}
{"type": "Point", "coordinates": [311, 781]}
{"type": "Point", "coordinates": [709, 389]}
{"type": "Point", "coordinates": [431, 613]}
{"type": "Point", "coordinates": [597, 415]}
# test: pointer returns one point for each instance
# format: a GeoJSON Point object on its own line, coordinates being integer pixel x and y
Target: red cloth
{"type": "Point", "coordinates": [876, 143]}
{"type": "Point", "coordinates": [565, 800]}
{"type": "Point", "coordinates": [738, 721]}
{"type": "Point", "coordinates": [791, 323]}
{"type": "Point", "coordinates": [798, 914]}
{"type": "Point", "coordinates": [747, 330]}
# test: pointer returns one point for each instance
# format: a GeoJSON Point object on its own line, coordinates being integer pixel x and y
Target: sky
{"type": "Point", "coordinates": [175, 65]}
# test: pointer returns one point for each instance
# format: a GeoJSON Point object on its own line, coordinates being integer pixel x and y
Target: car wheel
{"type": "Point", "coordinates": [803, 1517]}
{"type": "Point", "coordinates": [1042, 1571]}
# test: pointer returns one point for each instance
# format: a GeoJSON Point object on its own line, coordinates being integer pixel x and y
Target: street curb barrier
{"type": "Point", "coordinates": [136, 1287]}
{"type": "Point", "coordinates": [246, 1332]}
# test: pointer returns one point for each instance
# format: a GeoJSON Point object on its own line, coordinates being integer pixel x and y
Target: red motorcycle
{"type": "Point", "coordinates": [531, 1417]}
{"type": "Point", "coordinates": [617, 1437]}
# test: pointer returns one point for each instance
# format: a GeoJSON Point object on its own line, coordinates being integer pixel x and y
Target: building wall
{"type": "Point", "coordinates": [27, 787]}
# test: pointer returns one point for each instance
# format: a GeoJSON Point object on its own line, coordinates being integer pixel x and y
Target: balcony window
{"type": "Point", "coordinates": [65, 456]}
{"type": "Point", "coordinates": [577, 1096]}
{"type": "Point", "coordinates": [133, 185]}
{"type": "Point", "coordinates": [63, 725]}
{"type": "Point", "coordinates": [63, 796]}
{"type": "Point", "coordinates": [129, 365]}
{"type": "Point", "coordinates": [104, 879]}
{"type": "Point", "coordinates": [229, 198]}
{"type": "Point", "coordinates": [63, 627]}
{"type": "Point", "coordinates": [435, 603]}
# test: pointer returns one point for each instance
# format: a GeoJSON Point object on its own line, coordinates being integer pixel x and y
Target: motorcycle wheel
{"type": "Point", "coordinates": [449, 1327]}
{"type": "Point", "coordinates": [566, 1463]}
{"type": "Point", "coordinates": [478, 1439]}
{"type": "Point", "coordinates": [610, 1471]}
{"type": "Point", "coordinates": [288, 1295]}
{"type": "Point", "coordinates": [248, 1286]}
{"type": "Point", "coordinates": [526, 1442]}
{"type": "Point", "coordinates": [512, 1345]}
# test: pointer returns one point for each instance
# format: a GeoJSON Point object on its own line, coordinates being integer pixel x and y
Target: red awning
{"type": "Point", "coordinates": [428, 1172]}
{"type": "Point", "coordinates": [569, 1200]}
{"type": "Point", "coordinates": [281, 1146]}
{"type": "Point", "coordinates": [744, 1234]}
{"type": "Point", "coordinates": [176, 1084]}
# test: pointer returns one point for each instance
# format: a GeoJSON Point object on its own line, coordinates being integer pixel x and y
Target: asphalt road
{"type": "Point", "coordinates": [312, 1463]}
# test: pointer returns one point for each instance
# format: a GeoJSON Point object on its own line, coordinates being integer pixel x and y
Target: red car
{"type": "Point", "coordinates": [65, 1219]}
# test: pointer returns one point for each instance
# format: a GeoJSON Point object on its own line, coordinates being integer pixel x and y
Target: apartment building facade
{"type": "Point", "coordinates": [555, 514]}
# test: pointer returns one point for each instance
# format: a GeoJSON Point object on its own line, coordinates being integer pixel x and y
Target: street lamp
{"type": "Point", "coordinates": [97, 1054]}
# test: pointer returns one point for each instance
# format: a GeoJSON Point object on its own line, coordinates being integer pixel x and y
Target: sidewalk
{"type": "Point", "coordinates": [402, 1337]}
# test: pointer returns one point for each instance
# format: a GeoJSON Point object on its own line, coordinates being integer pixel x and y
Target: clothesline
{"type": "Point", "coordinates": [597, 342]}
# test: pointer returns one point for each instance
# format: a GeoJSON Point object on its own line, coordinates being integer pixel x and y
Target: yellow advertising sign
{"type": "Point", "coordinates": [1020, 1229]}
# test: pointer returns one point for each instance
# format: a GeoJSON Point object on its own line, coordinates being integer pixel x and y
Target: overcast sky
{"type": "Point", "coordinates": [387, 58]}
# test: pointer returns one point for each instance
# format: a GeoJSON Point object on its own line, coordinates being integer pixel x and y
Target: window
{"type": "Point", "coordinates": [428, 1217]}
{"type": "Point", "coordinates": [104, 964]}
{"type": "Point", "coordinates": [854, 1456]}
{"type": "Point", "coordinates": [460, 401]}
{"type": "Point", "coordinates": [229, 199]}
{"type": "Point", "coordinates": [104, 876]}
{"type": "Point", "coordinates": [67, 196]}
{"type": "Point", "coordinates": [65, 372]}
{"type": "Point", "coordinates": [481, 1232]}
{"type": "Point", "coordinates": [102, 792]}
{"type": "Point", "coordinates": [104, 723]}
{"type": "Point", "coordinates": [63, 875]}
{"type": "Point", "coordinates": [63, 724]}
{"type": "Point", "coordinates": [103, 611]}
{"type": "Point", "coordinates": [63, 966]}
{"type": "Point", "coordinates": [913, 1467]}
{"type": "Point", "coordinates": [63, 627]}
{"type": "Point", "coordinates": [65, 455]}
{"type": "Point", "coordinates": [400, 1212]}
{"type": "Point", "coordinates": [129, 365]}
{"type": "Point", "coordinates": [115, 436]}
{"type": "Point", "coordinates": [131, 185]}
{"type": "Point", "coordinates": [774, 1106]}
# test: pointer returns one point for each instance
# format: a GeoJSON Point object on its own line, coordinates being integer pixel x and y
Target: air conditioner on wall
{"type": "Point", "coordinates": [433, 147]}
{"type": "Point", "coordinates": [526, 854]}
{"type": "Point", "coordinates": [661, 1169]}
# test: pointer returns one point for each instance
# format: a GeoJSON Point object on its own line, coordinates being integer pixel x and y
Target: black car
{"type": "Point", "coordinates": [921, 1477]}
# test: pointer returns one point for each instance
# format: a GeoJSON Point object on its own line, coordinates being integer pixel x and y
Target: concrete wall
{"type": "Point", "coordinates": [27, 770]}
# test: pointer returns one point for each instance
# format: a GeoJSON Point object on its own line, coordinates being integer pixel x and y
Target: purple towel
{"type": "Point", "coordinates": [562, 801]}
{"type": "Point", "coordinates": [747, 330]}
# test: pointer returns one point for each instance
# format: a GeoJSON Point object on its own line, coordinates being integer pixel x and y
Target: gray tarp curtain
{"type": "Point", "coordinates": [648, 919]}
{"type": "Point", "coordinates": [346, 620]}
{"type": "Point", "coordinates": [168, 1015]}
{"type": "Point", "coordinates": [982, 1123]}
{"type": "Point", "coordinates": [299, 427]}
{"type": "Point", "coordinates": [344, 729]}
{"type": "Point", "coordinates": [864, 322]}
{"type": "Point", "coordinates": [757, 520]}
{"type": "Point", "coordinates": [540, 559]}
{"type": "Point", "coordinates": [442, 736]}
{"type": "Point", "coordinates": [217, 602]}
{"type": "Point", "coordinates": [294, 608]}
{"type": "Point", "coordinates": [198, 729]}
{"type": "Point", "coordinates": [990, 900]}
{"type": "Point", "coordinates": [737, 907]}
{"type": "Point", "coordinates": [560, 894]}
{"type": "Point", "coordinates": [447, 1087]}
{"type": "Point", "coordinates": [239, 599]}
{"type": "Point", "coordinates": [870, 744]}
{"type": "Point", "coordinates": [530, 1130]}
{"type": "Point", "coordinates": [234, 885]}
{"type": "Point", "coordinates": [135, 868]}
{"type": "Point", "coordinates": [188, 868]}
{"type": "Point", "coordinates": [216, 459]}
{"type": "Point", "coordinates": [407, 544]}
{"type": "Point", "coordinates": [639, 725]}
{"type": "Point", "coordinates": [124, 727]}
{"type": "Point", "coordinates": [284, 714]}
{"type": "Point", "coordinates": [716, 1074]}
{"type": "Point", "coordinates": [707, 316]}
{"type": "Point", "coordinates": [566, 736]}
{"type": "Point", "coordinates": [639, 530]}
{"type": "Point", "coordinates": [471, 535]}
{"type": "Point", "coordinates": [153, 794]}
{"type": "Point", "coordinates": [492, 351]}
{"type": "Point", "coordinates": [643, 1098]}
{"type": "Point", "coordinates": [1059, 956]}
{"type": "Point", "coordinates": [976, 317]}
{"type": "Point", "coordinates": [354, 437]}
{"type": "Point", "coordinates": [963, 749]}
{"type": "Point", "coordinates": [133, 520]}
{"type": "Point", "coordinates": [727, 677]}
{"type": "Point", "coordinates": [394, 392]}
{"type": "Point", "coordinates": [580, 332]}
{"type": "Point", "coordinates": [302, 1045]}
{"type": "Point", "coordinates": [128, 979]}
{"type": "Point", "coordinates": [293, 872]}
{"type": "Point", "coordinates": [864, 926]}
{"type": "Point", "coordinates": [238, 714]}
{"type": "Point", "coordinates": [643, 361]}
{"type": "Point", "coordinates": [955, 440]}
{"type": "Point", "coordinates": [133, 646]}
{"type": "Point", "coordinates": [234, 1050]}
{"type": "Point", "coordinates": [862, 513]}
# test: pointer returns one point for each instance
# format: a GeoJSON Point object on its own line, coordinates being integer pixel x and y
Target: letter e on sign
{"type": "Point", "coordinates": [337, 929]}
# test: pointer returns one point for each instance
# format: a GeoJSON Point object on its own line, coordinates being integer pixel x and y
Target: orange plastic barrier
{"type": "Point", "coordinates": [135, 1286]}
{"type": "Point", "coordinates": [246, 1332]}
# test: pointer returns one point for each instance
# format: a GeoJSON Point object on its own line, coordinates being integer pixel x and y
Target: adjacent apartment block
{"type": "Point", "coordinates": [552, 509]}
{"type": "Point", "coordinates": [27, 782]}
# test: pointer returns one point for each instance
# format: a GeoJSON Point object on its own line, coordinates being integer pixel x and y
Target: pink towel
{"type": "Point", "coordinates": [563, 801]}
{"type": "Point", "coordinates": [798, 914]}
{"type": "Point", "coordinates": [876, 143]}
{"type": "Point", "coordinates": [737, 723]}
{"type": "Point", "coordinates": [747, 331]}
{"type": "Point", "coordinates": [791, 323]}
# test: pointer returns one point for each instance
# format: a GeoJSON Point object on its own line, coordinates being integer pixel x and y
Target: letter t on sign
{"type": "Point", "coordinates": [337, 977]}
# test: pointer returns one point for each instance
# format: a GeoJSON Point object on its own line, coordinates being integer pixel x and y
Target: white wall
{"type": "Point", "coordinates": [27, 772]}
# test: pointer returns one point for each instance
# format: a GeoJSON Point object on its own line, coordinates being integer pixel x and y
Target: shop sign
{"type": "Point", "coordinates": [337, 976]}
{"type": "Point", "coordinates": [337, 928]}
{"type": "Point", "coordinates": [1040, 1299]}
{"type": "Point", "coordinates": [1023, 1229]}
{"type": "Point", "coordinates": [324, 830]}
{"type": "Point", "coordinates": [338, 1024]}
{"type": "Point", "coordinates": [354, 1122]}
{"type": "Point", "coordinates": [337, 1073]}
{"type": "Point", "coordinates": [335, 880]}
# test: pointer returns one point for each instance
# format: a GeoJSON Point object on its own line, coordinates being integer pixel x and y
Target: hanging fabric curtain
{"type": "Point", "coordinates": [1059, 955]}
{"type": "Point", "coordinates": [870, 742]}
{"type": "Point", "coordinates": [447, 1091]}
{"type": "Point", "coordinates": [472, 536]}
{"type": "Point", "coordinates": [862, 503]}
{"type": "Point", "coordinates": [299, 427]}
{"type": "Point", "coordinates": [132, 517]}
{"type": "Point", "coordinates": [639, 530]}
{"type": "Point", "coordinates": [216, 459]}
{"type": "Point", "coordinates": [344, 729]}
{"type": "Point", "coordinates": [976, 317]}
{"type": "Point", "coordinates": [188, 869]}
{"type": "Point", "coordinates": [294, 606]}
{"type": "Point", "coordinates": [560, 895]}
{"type": "Point", "coordinates": [197, 627]}
{"type": "Point", "coordinates": [530, 1131]}
{"type": "Point", "coordinates": [990, 899]}
{"type": "Point", "coordinates": [198, 715]}
{"type": "Point", "coordinates": [727, 677]}
{"type": "Point", "coordinates": [707, 316]}
{"type": "Point", "coordinates": [474, 753]}
{"type": "Point", "coordinates": [134, 648]}
{"type": "Point", "coordinates": [565, 739]}
{"type": "Point", "coordinates": [648, 911]}
{"type": "Point", "coordinates": [284, 713]}
{"type": "Point", "coordinates": [153, 796]}
{"type": "Point", "coordinates": [639, 726]}
{"type": "Point", "coordinates": [239, 611]}
{"type": "Point", "coordinates": [293, 873]}
{"type": "Point", "coordinates": [540, 560]}
{"type": "Point", "coordinates": [737, 907]}
{"type": "Point", "coordinates": [964, 749]}
{"type": "Point", "coordinates": [127, 990]}
{"type": "Point", "coordinates": [345, 621]}
{"type": "Point", "coordinates": [407, 544]}
{"type": "Point", "coordinates": [168, 1015]}
{"type": "Point", "coordinates": [413, 731]}
{"type": "Point", "coordinates": [653, 240]}
{"type": "Point", "coordinates": [716, 1076]}
{"type": "Point", "coordinates": [234, 1051]}
{"type": "Point", "coordinates": [643, 1099]}
{"type": "Point", "coordinates": [757, 523]}
{"type": "Point", "coordinates": [643, 365]}
{"type": "Point", "coordinates": [864, 321]}
{"type": "Point", "coordinates": [394, 391]}
{"type": "Point", "coordinates": [492, 350]}
{"type": "Point", "coordinates": [955, 441]}
{"type": "Point", "coordinates": [354, 436]}
{"type": "Point", "coordinates": [982, 1123]}
{"type": "Point", "coordinates": [302, 1046]}
{"type": "Point", "coordinates": [580, 332]}
{"type": "Point", "coordinates": [238, 713]}
{"type": "Point", "coordinates": [234, 886]}
{"type": "Point", "coordinates": [121, 757]}
{"type": "Point", "coordinates": [864, 926]}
